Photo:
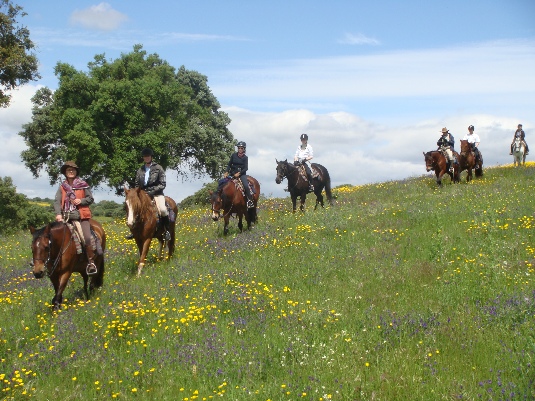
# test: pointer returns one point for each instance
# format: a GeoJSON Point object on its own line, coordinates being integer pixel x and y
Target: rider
{"type": "Point", "coordinates": [151, 178]}
{"type": "Point", "coordinates": [473, 140]}
{"type": "Point", "coordinates": [237, 167]}
{"type": "Point", "coordinates": [446, 143]}
{"type": "Point", "coordinates": [303, 154]}
{"type": "Point", "coordinates": [72, 204]}
{"type": "Point", "coordinates": [519, 133]}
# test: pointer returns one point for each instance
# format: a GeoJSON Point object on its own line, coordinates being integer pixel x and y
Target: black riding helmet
{"type": "Point", "coordinates": [304, 137]}
{"type": "Point", "coordinates": [240, 144]}
{"type": "Point", "coordinates": [147, 152]}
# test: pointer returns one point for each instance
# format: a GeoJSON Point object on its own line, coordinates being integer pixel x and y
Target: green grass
{"type": "Point", "coordinates": [400, 291]}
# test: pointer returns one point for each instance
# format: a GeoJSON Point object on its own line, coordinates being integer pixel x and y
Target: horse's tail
{"type": "Point", "coordinates": [327, 179]}
{"type": "Point", "coordinates": [253, 216]}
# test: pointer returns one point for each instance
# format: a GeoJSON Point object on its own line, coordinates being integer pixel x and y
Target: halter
{"type": "Point", "coordinates": [219, 211]}
{"type": "Point", "coordinates": [60, 253]}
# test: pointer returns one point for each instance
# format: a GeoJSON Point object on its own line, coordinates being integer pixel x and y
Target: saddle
{"type": "Point", "coordinates": [303, 172]}
{"type": "Point", "coordinates": [239, 186]}
{"type": "Point", "coordinates": [76, 231]}
{"type": "Point", "coordinates": [170, 212]}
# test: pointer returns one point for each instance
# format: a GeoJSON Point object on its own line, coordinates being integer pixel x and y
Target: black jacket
{"type": "Point", "coordinates": [238, 164]}
{"type": "Point", "coordinates": [156, 183]}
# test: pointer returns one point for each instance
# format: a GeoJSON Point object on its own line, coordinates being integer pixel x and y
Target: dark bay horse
{"type": "Point", "coordinates": [230, 201]}
{"type": "Point", "coordinates": [467, 161]}
{"type": "Point", "coordinates": [437, 162]}
{"type": "Point", "coordinates": [54, 254]}
{"type": "Point", "coordinates": [298, 185]}
{"type": "Point", "coordinates": [142, 219]}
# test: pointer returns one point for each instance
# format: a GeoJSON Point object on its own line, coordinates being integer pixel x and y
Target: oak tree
{"type": "Point", "coordinates": [104, 117]}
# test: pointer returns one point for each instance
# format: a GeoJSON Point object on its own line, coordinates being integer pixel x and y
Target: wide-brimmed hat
{"type": "Point", "coordinates": [444, 130]}
{"type": "Point", "coordinates": [69, 163]}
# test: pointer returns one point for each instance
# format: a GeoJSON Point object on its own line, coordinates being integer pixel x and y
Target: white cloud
{"type": "Point", "coordinates": [358, 39]}
{"type": "Point", "coordinates": [101, 17]}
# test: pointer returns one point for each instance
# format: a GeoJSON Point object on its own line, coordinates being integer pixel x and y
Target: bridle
{"type": "Point", "coordinates": [218, 212]}
{"type": "Point", "coordinates": [60, 253]}
{"type": "Point", "coordinates": [285, 174]}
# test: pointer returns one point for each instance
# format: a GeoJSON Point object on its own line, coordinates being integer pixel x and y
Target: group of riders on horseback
{"type": "Point", "coordinates": [446, 144]}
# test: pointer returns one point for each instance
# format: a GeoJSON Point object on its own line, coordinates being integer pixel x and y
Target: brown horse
{"type": "Point", "coordinates": [142, 219]}
{"type": "Point", "coordinates": [437, 162]}
{"type": "Point", "coordinates": [54, 253]}
{"type": "Point", "coordinates": [467, 161]}
{"type": "Point", "coordinates": [298, 185]}
{"type": "Point", "coordinates": [230, 200]}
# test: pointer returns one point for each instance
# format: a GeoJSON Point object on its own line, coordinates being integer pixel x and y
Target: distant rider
{"type": "Point", "coordinates": [446, 144]}
{"type": "Point", "coordinates": [303, 154]}
{"type": "Point", "coordinates": [151, 178]}
{"type": "Point", "coordinates": [519, 133]}
{"type": "Point", "coordinates": [473, 140]}
{"type": "Point", "coordinates": [237, 167]}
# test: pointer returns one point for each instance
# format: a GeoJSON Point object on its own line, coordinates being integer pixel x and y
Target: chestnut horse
{"type": "Point", "coordinates": [467, 160]}
{"type": "Point", "coordinates": [437, 162]}
{"type": "Point", "coordinates": [142, 219]}
{"type": "Point", "coordinates": [298, 186]}
{"type": "Point", "coordinates": [54, 254]}
{"type": "Point", "coordinates": [230, 200]}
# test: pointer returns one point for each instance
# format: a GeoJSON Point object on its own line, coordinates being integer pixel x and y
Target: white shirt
{"type": "Point", "coordinates": [302, 154]}
{"type": "Point", "coordinates": [472, 138]}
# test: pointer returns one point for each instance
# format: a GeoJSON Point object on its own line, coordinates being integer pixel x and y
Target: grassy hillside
{"type": "Point", "coordinates": [400, 291]}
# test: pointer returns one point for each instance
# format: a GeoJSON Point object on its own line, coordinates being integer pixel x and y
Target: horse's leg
{"type": "Point", "coordinates": [294, 202]}
{"type": "Point", "coordinates": [240, 223]}
{"type": "Point", "coordinates": [225, 227]}
{"type": "Point", "coordinates": [62, 283]}
{"type": "Point", "coordinates": [160, 254]}
{"type": "Point", "coordinates": [171, 243]}
{"type": "Point", "coordinates": [319, 197]}
{"type": "Point", "coordinates": [143, 254]}
{"type": "Point", "coordinates": [439, 178]}
{"type": "Point", "coordinates": [303, 199]}
{"type": "Point", "coordinates": [86, 279]}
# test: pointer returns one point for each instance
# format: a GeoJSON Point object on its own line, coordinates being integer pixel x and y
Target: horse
{"type": "Point", "coordinates": [231, 201]}
{"type": "Point", "coordinates": [299, 186]}
{"type": "Point", "coordinates": [55, 254]}
{"type": "Point", "coordinates": [142, 219]}
{"type": "Point", "coordinates": [519, 152]}
{"type": "Point", "coordinates": [467, 161]}
{"type": "Point", "coordinates": [437, 162]}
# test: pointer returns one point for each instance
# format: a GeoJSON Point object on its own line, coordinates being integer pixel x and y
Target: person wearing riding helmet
{"type": "Point", "coordinates": [303, 154]}
{"type": "Point", "coordinates": [519, 133]}
{"type": "Point", "coordinates": [151, 178]}
{"type": "Point", "coordinates": [72, 202]}
{"type": "Point", "coordinates": [473, 140]}
{"type": "Point", "coordinates": [237, 167]}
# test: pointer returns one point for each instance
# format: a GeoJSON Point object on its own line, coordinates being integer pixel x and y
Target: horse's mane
{"type": "Point", "coordinates": [140, 204]}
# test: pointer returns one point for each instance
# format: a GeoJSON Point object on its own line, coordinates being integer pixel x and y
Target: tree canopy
{"type": "Point", "coordinates": [104, 117]}
{"type": "Point", "coordinates": [17, 64]}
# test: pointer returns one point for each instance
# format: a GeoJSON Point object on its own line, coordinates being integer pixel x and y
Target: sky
{"type": "Point", "coordinates": [371, 83]}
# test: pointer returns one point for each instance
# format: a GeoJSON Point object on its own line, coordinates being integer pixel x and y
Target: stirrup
{"type": "Point", "coordinates": [250, 204]}
{"type": "Point", "coordinates": [167, 236]}
{"type": "Point", "coordinates": [129, 236]}
{"type": "Point", "coordinates": [91, 268]}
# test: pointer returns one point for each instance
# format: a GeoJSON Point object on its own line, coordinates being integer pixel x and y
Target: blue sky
{"type": "Point", "coordinates": [371, 83]}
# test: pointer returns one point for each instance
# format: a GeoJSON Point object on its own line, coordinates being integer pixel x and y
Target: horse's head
{"type": "Point", "coordinates": [465, 146]}
{"type": "Point", "coordinates": [41, 244]}
{"type": "Point", "coordinates": [217, 204]}
{"type": "Point", "coordinates": [429, 161]}
{"type": "Point", "coordinates": [282, 170]}
{"type": "Point", "coordinates": [133, 205]}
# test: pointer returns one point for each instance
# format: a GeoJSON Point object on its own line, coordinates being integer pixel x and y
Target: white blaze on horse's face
{"type": "Point", "coordinates": [130, 216]}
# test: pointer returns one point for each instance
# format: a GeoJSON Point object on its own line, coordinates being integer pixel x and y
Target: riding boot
{"type": "Point", "coordinates": [250, 202]}
{"type": "Point", "coordinates": [511, 149]}
{"type": "Point", "coordinates": [311, 186]}
{"type": "Point", "coordinates": [165, 221]}
{"type": "Point", "coordinates": [527, 148]}
{"type": "Point", "coordinates": [91, 267]}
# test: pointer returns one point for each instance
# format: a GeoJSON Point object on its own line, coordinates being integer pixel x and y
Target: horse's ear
{"type": "Point", "coordinates": [210, 192]}
{"type": "Point", "coordinates": [32, 229]}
